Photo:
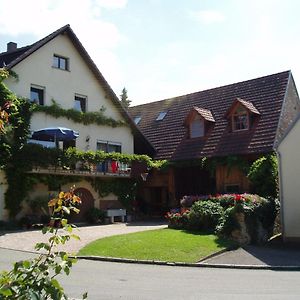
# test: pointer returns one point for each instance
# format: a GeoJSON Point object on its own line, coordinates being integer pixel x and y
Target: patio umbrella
{"type": "Point", "coordinates": [55, 134]}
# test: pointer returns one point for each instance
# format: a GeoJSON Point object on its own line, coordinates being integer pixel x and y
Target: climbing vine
{"type": "Point", "coordinates": [56, 111]}
{"type": "Point", "coordinates": [17, 157]}
{"type": "Point", "coordinates": [124, 189]}
{"type": "Point", "coordinates": [12, 142]}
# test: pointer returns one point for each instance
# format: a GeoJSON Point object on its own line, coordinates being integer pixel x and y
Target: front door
{"type": "Point", "coordinates": [87, 202]}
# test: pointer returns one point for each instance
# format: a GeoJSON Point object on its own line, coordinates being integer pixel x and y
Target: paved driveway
{"type": "Point", "coordinates": [25, 240]}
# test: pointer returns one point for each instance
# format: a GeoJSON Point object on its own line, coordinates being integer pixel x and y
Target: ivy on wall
{"type": "Point", "coordinates": [86, 118]}
{"type": "Point", "coordinates": [17, 157]}
{"type": "Point", "coordinates": [124, 189]}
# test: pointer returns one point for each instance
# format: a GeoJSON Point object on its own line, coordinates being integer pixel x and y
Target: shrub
{"type": "Point", "coordinates": [205, 215]}
{"type": "Point", "coordinates": [219, 213]}
{"type": "Point", "coordinates": [263, 174]}
{"type": "Point", "coordinates": [177, 220]}
{"type": "Point", "coordinates": [36, 278]}
{"type": "Point", "coordinates": [95, 215]}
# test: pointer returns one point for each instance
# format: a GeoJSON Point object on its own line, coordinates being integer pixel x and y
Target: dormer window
{"type": "Point", "coordinates": [161, 115]}
{"type": "Point", "coordinates": [199, 122]}
{"type": "Point", "coordinates": [240, 119]}
{"type": "Point", "coordinates": [242, 115]}
{"type": "Point", "coordinates": [197, 127]}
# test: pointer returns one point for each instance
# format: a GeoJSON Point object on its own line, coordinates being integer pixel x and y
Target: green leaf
{"type": "Point", "coordinates": [67, 270]}
{"type": "Point", "coordinates": [26, 264]}
{"type": "Point", "coordinates": [64, 222]}
{"type": "Point", "coordinates": [56, 284]}
{"type": "Point", "coordinates": [66, 210]}
{"type": "Point", "coordinates": [84, 296]}
{"type": "Point", "coordinates": [76, 237]}
{"type": "Point", "coordinates": [6, 292]}
{"type": "Point", "coordinates": [45, 230]}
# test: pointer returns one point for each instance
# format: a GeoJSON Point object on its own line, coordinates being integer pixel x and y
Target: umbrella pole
{"type": "Point", "coordinates": [56, 142]}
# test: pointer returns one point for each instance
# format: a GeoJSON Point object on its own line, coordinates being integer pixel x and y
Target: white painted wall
{"type": "Point", "coordinates": [62, 86]}
{"type": "Point", "coordinates": [289, 151]}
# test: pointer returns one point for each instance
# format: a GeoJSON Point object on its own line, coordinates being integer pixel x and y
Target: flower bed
{"type": "Point", "coordinates": [245, 218]}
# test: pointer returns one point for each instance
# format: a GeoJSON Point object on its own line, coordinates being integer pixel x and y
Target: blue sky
{"type": "Point", "coordinates": [163, 48]}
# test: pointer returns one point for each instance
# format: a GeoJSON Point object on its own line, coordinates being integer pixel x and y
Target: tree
{"type": "Point", "coordinates": [124, 99]}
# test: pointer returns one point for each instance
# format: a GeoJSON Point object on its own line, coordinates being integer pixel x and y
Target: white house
{"type": "Point", "coordinates": [288, 151]}
{"type": "Point", "coordinates": [58, 68]}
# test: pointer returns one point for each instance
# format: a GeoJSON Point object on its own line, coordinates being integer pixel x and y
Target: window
{"type": "Point", "coordinates": [197, 127]}
{"type": "Point", "coordinates": [240, 119]}
{"type": "Point", "coordinates": [161, 115]}
{"type": "Point", "coordinates": [60, 62]}
{"type": "Point", "coordinates": [109, 146]}
{"type": "Point", "coordinates": [137, 120]}
{"type": "Point", "coordinates": [37, 95]}
{"type": "Point", "coordinates": [80, 103]}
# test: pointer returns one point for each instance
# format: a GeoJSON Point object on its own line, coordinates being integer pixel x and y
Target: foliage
{"type": "Point", "coordinates": [178, 220]}
{"type": "Point", "coordinates": [159, 245]}
{"type": "Point", "coordinates": [205, 215]}
{"type": "Point", "coordinates": [95, 215]}
{"type": "Point", "coordinates": [56, 111]}
{"type": "Point", "coordinates": [38, 204]}
{"type": "Point", "coordinates": [219, 212]}
{"type": "Point", "coordinates": [124, 99]}
{"type": "Point", "coordinates": [263, 174]}
{"type": "Point", "coordinates": [124, 189]}
{"type": "Point", "coordinates": [230, 161]}
{"type": "Point", "coordinates": [36, 278]}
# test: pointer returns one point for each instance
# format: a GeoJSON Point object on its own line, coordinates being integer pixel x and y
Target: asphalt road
{"type": "Point", "coordinates": [104, 280]}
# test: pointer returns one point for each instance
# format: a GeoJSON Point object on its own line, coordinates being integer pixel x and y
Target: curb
{"type": "Point", "coordinates": [200, 264]}
{"type": "Point", "coordinates": [195, 265]}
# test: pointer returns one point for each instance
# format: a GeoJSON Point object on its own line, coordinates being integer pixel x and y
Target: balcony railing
{"type": "Point", "coordinates": [107, 168]}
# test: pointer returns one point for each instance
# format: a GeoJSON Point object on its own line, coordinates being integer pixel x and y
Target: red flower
{"type": "Point", "coordinates": [238, 197]}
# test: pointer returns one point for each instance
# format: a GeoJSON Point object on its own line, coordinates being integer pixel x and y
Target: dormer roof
{"type": "Point", "coordinates": [247, 104]}
{"type": "Point", "coordinates": [206, 114]}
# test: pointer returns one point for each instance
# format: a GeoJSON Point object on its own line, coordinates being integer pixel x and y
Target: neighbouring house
{"type": "Point", "coordinates": [224, 126]}
{"type": "Point", "coordinates": [288, 150]}
{"type": "Point", "coordinates": [58, 71]}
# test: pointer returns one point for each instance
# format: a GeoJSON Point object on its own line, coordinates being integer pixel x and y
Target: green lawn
{"type": "Point", "coordinates": [162, 244]}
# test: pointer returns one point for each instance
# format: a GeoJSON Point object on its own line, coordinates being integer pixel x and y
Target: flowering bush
{"type": "Point", "coordinates": [177, 220]}
{"type": "Point", "coordinates": [219, 213]}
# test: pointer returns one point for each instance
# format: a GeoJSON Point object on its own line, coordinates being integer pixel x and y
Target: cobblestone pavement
{"type": "Point", "coordinates": [25, 240]}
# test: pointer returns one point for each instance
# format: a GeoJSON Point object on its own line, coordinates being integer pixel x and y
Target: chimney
{"type": "Point", "coordinates": [11, 46]}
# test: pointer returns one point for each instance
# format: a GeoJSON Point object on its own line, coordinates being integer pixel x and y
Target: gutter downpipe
{"type": "Point", "coordinates": [281, 194]}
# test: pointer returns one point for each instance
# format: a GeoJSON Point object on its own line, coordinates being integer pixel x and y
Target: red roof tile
{"type": "Point", "coordinates": [262, 96]}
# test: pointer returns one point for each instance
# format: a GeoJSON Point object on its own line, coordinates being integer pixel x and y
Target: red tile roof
{"type": "Point", "coordinates": [262, 96]}
{"type": "Point", "coordinates": [248, 105]}
{"type": "Point", "coordinates": [205, 113]}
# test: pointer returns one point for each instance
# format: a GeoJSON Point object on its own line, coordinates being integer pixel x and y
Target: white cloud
{"type": "Point", "coordinates": [111, 4]}
{"type": "Point", "coordinates": [39, 18]}
{"type": "Point", "coordinates": [207, 17]}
